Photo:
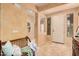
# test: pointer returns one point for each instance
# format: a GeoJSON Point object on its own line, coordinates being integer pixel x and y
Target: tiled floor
{"type": "Point", "coordinates": [54, 49]}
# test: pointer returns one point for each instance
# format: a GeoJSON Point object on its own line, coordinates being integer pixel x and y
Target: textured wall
{"type": "Point", "coordinates": [13, 21]}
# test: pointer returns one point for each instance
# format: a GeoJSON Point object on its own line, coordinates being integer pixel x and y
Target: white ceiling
{"type": "Point", "coordinates": [60, 8]}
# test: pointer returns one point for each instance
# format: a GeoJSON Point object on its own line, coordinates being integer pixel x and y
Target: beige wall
{"type": "Point", "coordinates": [78, 20]}
{"type": "Point", "coordinates": [78, 16]}
{"type": "Point", "coordinates": [13, 19]}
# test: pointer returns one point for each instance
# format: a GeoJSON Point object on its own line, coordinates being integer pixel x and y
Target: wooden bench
{"type": "Point", "coordinates": [21, 42]}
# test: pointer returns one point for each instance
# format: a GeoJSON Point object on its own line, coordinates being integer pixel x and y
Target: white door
{"type": "Point", "coordinates": [57, 28]}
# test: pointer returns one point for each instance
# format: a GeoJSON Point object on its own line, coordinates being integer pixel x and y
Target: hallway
{"type": "Point", "coordinates": [54, 49]}
{"type": "Point", "coordinates": [42, 26]}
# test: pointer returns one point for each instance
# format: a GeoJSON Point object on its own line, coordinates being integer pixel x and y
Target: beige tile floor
{"type": "Point", "coordinates": [54, 49]}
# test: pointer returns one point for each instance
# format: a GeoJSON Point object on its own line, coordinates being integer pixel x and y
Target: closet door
{"type": "Point", "coordinates": [58, 28]}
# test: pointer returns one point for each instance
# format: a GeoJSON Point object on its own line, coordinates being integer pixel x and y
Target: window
{"type": "Point", "coordinates": [69, 25]}
{"type": "Point", "coordinates": [49, 26]}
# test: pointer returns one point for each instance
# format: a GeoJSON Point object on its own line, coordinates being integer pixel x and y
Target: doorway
{"type": "Point", "coordinates": [57, 28]}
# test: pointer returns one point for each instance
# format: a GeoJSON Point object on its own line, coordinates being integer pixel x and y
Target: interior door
{"type": "Point", "coordinates": [57, 28]}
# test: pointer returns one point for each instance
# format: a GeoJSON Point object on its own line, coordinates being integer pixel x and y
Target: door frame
{"type": "Point", "coordinates": [52, 29]}
{"type": "Point", "coordinates": [74, 10]}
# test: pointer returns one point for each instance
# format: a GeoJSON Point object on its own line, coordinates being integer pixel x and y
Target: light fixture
{"type": "Point", "coordinates": [30, 12]}
{"type": "Point", "coordinates": [17, 5]}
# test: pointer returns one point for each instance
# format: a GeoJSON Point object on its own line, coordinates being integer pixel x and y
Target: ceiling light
{"type": "Point", "coordinates": [17, 5]}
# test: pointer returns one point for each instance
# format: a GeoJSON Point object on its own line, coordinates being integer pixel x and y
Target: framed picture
{"type": "Point", "coordinates": [28, 26]}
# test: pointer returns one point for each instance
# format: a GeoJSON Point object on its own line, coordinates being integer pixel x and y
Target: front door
{"type": "Point", "coordinates": [57, 28]}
